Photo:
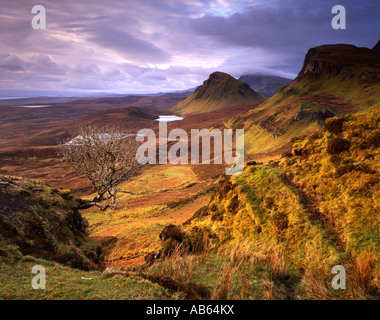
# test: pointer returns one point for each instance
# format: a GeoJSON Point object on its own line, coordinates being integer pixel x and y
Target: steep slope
{"type": "Point", "coordinates": [335, 80]}
{"type": "Point", "coordinates": [219, 91]}
{"type": "Point", "coordinates": [377, 46]}
{"type": "Point", "coordinates": [44, 222]}
{"type": "Point", "coordinates": [337, 167]}
{"type": "Point", "coordinates": [265, 85]}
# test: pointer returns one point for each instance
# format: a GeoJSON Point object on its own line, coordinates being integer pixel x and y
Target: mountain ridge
{"type": "Point", "coordinates": [335, 80]}
{"type": "Point", "coordinates": [266, 85]}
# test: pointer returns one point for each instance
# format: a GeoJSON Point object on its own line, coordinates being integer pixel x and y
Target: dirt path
{"type": "Point", "coordinates": [192, 290]}
{"type": "Point", "coordinates": [311, 206]}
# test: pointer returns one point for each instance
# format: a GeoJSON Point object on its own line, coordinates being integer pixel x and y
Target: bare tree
{"type": "Point", "coordinates": [106, 156]}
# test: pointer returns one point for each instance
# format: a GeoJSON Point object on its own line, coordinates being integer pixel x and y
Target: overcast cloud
{"type": "Point", "coordinates": [131, 46]}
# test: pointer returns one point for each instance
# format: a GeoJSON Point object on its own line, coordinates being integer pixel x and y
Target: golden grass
{"type": "Point", "coordinates": [292, 229]}
{"type": "Point", "coordinates": [156, 198]}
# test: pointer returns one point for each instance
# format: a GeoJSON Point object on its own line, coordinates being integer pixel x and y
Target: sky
{"type": "Point", "coordinates": [147, 46]}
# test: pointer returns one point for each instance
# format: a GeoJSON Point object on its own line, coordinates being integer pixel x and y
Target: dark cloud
{"type": "Point", "coordinates": [163, 45]}
{"type": "Point", "coordinates": [291, 27]}
{"type": "Point", "coordinates": [128, 46]}
{"type": "Point", "coordinates": [10, 62]}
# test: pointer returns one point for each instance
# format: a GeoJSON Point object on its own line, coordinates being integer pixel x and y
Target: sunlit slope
{"type": "Point", "coordinates": [319, 201]}
{"type": "Point", "coordinates": [316, 207]}
{"type": "Point", "coordinates": [335, 80]}
{"type": "Point", "coordinates": [219, 91]}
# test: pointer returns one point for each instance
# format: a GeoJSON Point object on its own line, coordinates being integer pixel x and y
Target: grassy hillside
{"type": "Point", "coordinates": [335, 80]}
{"type": "Point", "coordinates": [40, 225]}
{"type": "Point", "coordinates": [37, 228]}
{"type": "Point", "coordinates": [219, 92]}
{"type": "Point", "coordinates": [297, 217]}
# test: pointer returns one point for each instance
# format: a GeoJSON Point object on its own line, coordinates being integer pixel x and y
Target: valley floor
{"type": "Point", "coordinates": [161, 195]}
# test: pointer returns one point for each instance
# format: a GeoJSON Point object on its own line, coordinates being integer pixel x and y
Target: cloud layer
{"type": "Point", "coordinates": [164, 45]}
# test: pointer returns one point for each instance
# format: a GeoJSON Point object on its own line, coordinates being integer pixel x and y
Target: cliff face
{"type": "Point", "coordinates": [339, 59]}
{"type": "Point", "coordinates": [313, 68]}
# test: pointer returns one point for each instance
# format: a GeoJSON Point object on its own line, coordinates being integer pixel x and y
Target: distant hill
{"type": "Point", "coordinates": [265, 85]}
{"type": "Point", "coordinates": [219, 91]}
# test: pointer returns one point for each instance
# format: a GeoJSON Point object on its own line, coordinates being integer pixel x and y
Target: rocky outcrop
{"type": "Point", "coordinates": [313, 68]}
{"type": "Point", "coordinates": [338, 59]}
{"type": "Point", "coordinates": [173, 236]}
{"type": "Point", "coordinates": [369, 77]}
{"type": "Point", "coordinates": [272, 126]}
{"type": "Point", "coordinates": [319, 114]}
{"type": "Point", "coordinates": [44, 222]}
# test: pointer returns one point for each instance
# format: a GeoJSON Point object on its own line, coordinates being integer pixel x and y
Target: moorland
{"type": "Point", "coordinates": [307, 200]}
